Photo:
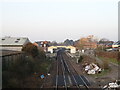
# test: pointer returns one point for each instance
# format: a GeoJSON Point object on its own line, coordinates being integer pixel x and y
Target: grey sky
{"type": "Point", "coordinates": [59, 20]}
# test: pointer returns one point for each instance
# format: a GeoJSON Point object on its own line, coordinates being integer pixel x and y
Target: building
{"type": "Point", "coordinates": [13, 43]}
{"type": "Point", "coordinates": [52, 48]}
{"type": "Point", "coordinates": [90, 45]}
{"type": "Point", "coordinates": [43, 44]}
{"type": "Point", "coordinates": [89, 42]}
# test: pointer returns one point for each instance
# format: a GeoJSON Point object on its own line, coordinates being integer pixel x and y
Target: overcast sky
{"type": "Point", "coordinates": [58, 20]}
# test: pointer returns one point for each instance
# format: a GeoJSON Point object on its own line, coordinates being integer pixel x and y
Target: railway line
{"type": "Point", "coordinates": [67, 77]}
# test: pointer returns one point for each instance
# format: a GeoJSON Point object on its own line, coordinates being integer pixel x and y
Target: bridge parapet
{"type": "Point", "coordinates": [72, 48]}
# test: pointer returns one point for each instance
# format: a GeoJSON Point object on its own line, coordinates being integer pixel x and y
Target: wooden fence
{"type": "Point", "coordinates": [10, 59]}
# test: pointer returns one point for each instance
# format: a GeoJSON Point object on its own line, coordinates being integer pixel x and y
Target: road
{"type": "Point", "coordinates": [66, 75]}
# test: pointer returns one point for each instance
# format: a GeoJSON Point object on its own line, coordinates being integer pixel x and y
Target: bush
{"type": "Point", "coordinates": [105, 64]}
{"type": "Point", "coordinates": [31, 49]}
{"type": "Point", "coordinates": [108, 54]}
{"type": "Point", "coordinates": [118, 56]}
{"type": "Point", "coordinates": [101, 48]}
{"type": "Point", "coordinates": [13, 83]}
{"type": "Point", "coordinates": [80, 59]}
{"type": "Point", "coordinates": [34, 61]}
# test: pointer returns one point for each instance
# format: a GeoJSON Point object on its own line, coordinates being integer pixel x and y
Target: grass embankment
{"type": "Point", "coordinates": [107, 58]}
{"type": "Point", "coordinates": [104, 72]}
{"type": "Point", "coordinates": [105, 66]}
{"type": "Point", "coordinates": [113, 60]}
{"type": "Point", "coordinates": [113, 57]}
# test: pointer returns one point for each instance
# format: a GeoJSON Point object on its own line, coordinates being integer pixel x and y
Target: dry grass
{"type": "Point", "coordinates": [105, 64]}
{"type": "Point", "coordinates": [114, 54]}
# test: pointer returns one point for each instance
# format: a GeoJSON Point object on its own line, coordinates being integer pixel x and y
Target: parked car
{"type": "Point", "coordinates": [116, 44]}
{"type": "Point", "coordinates": [110, 49]}
{"type": "Point", "coordinates": [109, 45]}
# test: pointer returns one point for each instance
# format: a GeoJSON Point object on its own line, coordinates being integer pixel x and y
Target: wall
{"type": "Point", "coordinates": [73, 50]}
{"type": "Point", "coordinates": [50, 50]}
{"type": "Point", "coordinates": [12, 48]}
{"type": "Point", "coordinates": [10, 59]}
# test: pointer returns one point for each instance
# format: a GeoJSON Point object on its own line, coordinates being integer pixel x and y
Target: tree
{"type": "Point", "coordinates": [79, 44]}
{"type": "Point", "coordinates": [41, 53]}
{"type": "Point", "coordinates": [31, 49]}
{"type": "Point", "coordinates": [53, 43]}
{"type": "Point", "coordinates": [104, 41]}
{"type": "Point", "coordinates": [80, 59]}
{"type": "Point", "coordinates": [68, 42]}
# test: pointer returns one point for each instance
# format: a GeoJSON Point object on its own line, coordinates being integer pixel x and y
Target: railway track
{"type": "Point", "coordinates": [83, 79]}
{"type": "Point", "coordinates": [67, 77]}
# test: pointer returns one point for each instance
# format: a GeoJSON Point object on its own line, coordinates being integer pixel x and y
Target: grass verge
{"type": "Point", "coordinates": [113, 60]}
{"type": "Point", "coordinates": [104, 72]}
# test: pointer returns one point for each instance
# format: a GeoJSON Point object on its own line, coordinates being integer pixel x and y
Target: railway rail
{"type": "Point", "coordinates": [67, 77]}
{"type": "Point", "coordinates": [83, 79]}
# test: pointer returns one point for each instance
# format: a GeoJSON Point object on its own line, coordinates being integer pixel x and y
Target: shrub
{"type": "Point", "coordinates": [31, 49]}
{"type": "Point", "coordinates": [105, 64]}
{"type": "Point", "coordinates": [35, 61]}
{"type": "Point", "coordinates": [13, 83]}
{"type": "Point", "coordinates": [80, 59]}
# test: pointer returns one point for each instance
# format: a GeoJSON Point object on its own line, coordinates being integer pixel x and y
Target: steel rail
{"type": "Point", "coordinates": [79, 75]}
{"type": "Point", "coordinates": [63, 69]}
{"type": "Point", "coordinates": [57, 74]}
{"type": "Point", "coordinates": [71, 74]}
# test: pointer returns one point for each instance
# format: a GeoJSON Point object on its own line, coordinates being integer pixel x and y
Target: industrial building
{"type": "Point", "coordinates": [13, 43]}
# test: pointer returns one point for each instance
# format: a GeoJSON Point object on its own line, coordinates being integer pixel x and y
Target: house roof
{"type": "Point", "coordinates": [13, 40]}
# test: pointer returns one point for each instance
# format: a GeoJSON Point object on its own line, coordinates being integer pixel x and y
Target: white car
{"type": "Point", "coordinates": [116, 44]}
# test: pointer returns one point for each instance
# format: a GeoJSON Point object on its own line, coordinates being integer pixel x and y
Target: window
{"type": "Point", "coordinates": [118, 43]}
{"type": "Point", "coordinates": [3, 39]}
{"type": "Point", "coordinates": [16, 41]}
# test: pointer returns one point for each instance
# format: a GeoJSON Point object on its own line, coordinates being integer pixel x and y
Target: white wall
{"type": "Point", "coordinates": [50, 50]}
{"type": "Point", "coordinates": [73, 50]}
{"type": "Point", "coordinates": [12, 48]}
